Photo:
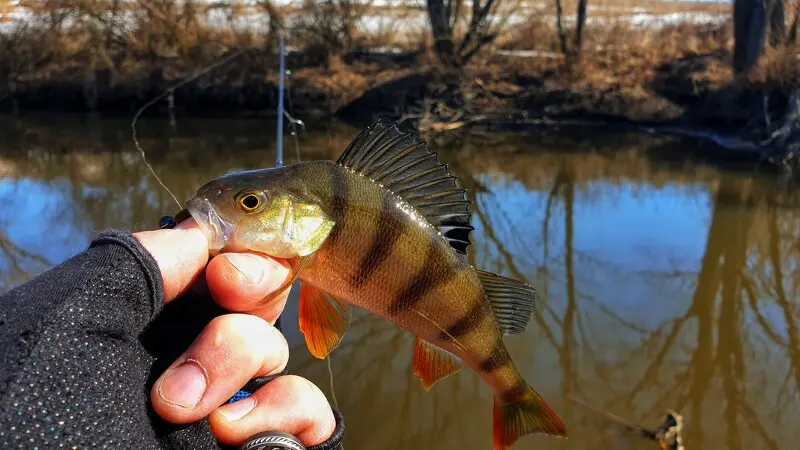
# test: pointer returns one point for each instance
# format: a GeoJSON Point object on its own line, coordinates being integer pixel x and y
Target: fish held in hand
{"type": "Point", "coordinates": [385, 227]}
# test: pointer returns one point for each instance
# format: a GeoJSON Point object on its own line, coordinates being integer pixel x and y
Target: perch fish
{"type": "Point", "coordinates": [385, 227]}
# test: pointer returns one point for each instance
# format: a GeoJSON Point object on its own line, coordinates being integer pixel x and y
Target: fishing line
{"type": "Point", "coordinates": [293, 124]}
{"type": "Point", "coordinates": [290, 116]}
{"type": "Point", "coordinates": [330, 380]}
{"type": "Point", "coordinates": [164, 94]}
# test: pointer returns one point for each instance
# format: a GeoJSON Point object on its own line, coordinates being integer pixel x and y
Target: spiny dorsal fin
{"type": "Point", "coordinates": [512, 301]}
{"type": "Point", "coordinates": [403, 164]}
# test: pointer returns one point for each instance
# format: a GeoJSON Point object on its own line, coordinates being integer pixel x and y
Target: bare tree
{"type": "Point", "coordinates": [792, 39]}
{"type": "Point", "coordinates": [580, 21]}
{"type": "Point", "coordinates": [482, 28]}
{"type": "Point", "coordinates": [562, 33]}
{"type": "Point", "coordinates": [332, 24]}
{"type": "Point", "coordinates": [752, 21]}
{"type": "Point", "coordinates": [777, 23]}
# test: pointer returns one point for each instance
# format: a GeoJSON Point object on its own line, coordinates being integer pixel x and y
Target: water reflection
{"type": "Point", "coordinates": [664, 286]}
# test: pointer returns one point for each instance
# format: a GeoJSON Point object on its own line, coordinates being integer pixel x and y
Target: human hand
{"type": "Point", "coordinates": [233, 348]}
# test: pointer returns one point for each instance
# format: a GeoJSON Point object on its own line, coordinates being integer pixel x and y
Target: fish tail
{"type": "Point", "coordinates": [527, 414]}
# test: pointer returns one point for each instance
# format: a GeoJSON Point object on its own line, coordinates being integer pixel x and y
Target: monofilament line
{"type": "Point", "coordinates": [330, 377]}
{"type": "Point", "coordinates": [164, 94]}
{"type": "Point", "coordinates": [333, 391]}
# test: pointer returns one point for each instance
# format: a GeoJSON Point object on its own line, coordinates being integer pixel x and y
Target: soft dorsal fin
{"type": "Point", "coordinates": [512, 301]}
{"type": "Point", "coordinates": [403, 164]}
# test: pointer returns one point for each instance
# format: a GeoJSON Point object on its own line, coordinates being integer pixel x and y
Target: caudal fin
{"type": "Point", "coordinates": [529, 414]}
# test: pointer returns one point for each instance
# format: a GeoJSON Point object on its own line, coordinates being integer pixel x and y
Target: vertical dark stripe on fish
{"type": "Point", "coordinates": [469, 321]}
{"type": "Point", "coordinates": [516, 391]}
{"type": "Point", "coordinates": [389, 230]}
{"type": "Point", "coordinates": [497, 359]}
{"type": "Point", "coordinates": [436, 271]}
{"type": "Point", "coordinates": [340, 194]}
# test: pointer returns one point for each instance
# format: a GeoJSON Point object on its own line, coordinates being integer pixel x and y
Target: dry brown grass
{"type": "Point", "coordinates": [619, 71]}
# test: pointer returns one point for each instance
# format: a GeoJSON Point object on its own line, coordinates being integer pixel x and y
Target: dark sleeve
{"type": "Point", "coordinates": [74, 370]}
{"type": "Point", "coordinates": [82, 345]}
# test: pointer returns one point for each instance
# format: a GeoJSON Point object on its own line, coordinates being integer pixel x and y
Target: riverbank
{"type": "Point", "coordinates": [696, 89]}
{"type": "Point", "coordinates": [669, 76]}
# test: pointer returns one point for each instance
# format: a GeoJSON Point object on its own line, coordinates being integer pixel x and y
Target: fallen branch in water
{"type": "Point", "coordinates": [786, 139]}
{"type": "Point", "coordinates": [667, 435]}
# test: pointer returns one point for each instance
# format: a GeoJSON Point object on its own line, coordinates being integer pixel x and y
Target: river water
{"type": "Point", "coordinates": [664, 284]}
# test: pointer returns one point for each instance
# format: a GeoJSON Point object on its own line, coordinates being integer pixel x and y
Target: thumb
{"type": "Point", "coordinates": [181, 254]}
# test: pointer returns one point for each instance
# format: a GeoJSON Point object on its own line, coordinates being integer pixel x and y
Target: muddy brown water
{"type": "Point", "coordinates": [664, 284]}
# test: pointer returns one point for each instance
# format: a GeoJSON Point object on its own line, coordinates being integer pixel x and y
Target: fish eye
{"type": "Point", "coordinates": [250, 201]}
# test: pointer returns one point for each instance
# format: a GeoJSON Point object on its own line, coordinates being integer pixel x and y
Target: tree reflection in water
{"type": "Point", "coordinates": [696, 313]}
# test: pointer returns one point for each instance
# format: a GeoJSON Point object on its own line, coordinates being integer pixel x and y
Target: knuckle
{"type": "Point", "coordinates": [305, 394]}
{"type": "Point", "coordinates": [243, 331]}
{"type": "Point", "coordinates": [240, 328]}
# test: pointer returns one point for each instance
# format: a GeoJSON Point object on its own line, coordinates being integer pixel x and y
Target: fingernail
{"type": "Point", "coordinates": [236, 410]}
{"type": "Point", "coordinates": [252, 267]}
{"type": "Point", "coordinates": [184, 385]}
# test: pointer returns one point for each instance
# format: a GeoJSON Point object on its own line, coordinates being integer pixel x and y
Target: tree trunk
{"type": "Point", "coordinates": [580, 20]}
{"type": "Point", "coordinates": [443, 16]}
{"type": "Point", "coordinates": [442, 31]}
{"type": "Point", "coordinates": [562, 34]}
{"type": "Point", "coordinates": [749, 30]}
{"type": "Point", "coordinates": [777, 23]}
{"type": "Point", "coordinates": [793, 29]}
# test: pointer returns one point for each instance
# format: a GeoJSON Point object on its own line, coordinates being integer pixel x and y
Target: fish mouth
{"type": "Point", "coordinates": [216, 229]}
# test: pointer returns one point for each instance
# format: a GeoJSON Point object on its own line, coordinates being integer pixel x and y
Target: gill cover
{"type": "Point", "coordinates": [290, 229]}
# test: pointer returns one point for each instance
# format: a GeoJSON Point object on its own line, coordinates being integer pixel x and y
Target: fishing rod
{"type": "Point", "coordinates": [281, 76]}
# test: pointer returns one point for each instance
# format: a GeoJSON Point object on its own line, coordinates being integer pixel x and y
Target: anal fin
{"type": "Point", "coordinates": [512, 301]}
{"type": "Point", "coordinates": [323, 320]}
{"type": "Point", "coordinates": [431, 364]}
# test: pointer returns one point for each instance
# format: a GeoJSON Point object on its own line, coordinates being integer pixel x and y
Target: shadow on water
{"type": "Point", "coordinates": [663, 285]}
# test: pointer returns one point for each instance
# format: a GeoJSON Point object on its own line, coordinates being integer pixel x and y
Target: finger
{"type": "Point", "coordinates": [181, 254]}
{"type": "Point", "coordinates": [240, 281]}
{"type": "Point", "coordinates": [230, 351]}
{"type": "Point", "coordinates": [289, 403]}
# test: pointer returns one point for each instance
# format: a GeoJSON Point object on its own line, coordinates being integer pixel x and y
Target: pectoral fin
{"type": "Point", "coordinates": [298, 267]}
{"type": "Point", "coordinates": [431, 364]}
{"type": "Point", "coordinates": [323, 320]}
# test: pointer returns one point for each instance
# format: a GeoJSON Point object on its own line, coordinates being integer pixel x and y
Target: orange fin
{"type": "Point", "coordinates": [301, 264]}
{"type": "Point", "coordinates": [323, 320]}
{"type": "Point", "coordinates": [431, 364]}
{"type": "Point", "coordinates": [529, 414]}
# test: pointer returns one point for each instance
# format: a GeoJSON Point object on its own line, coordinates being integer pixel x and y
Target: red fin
{"type": "Point", "coordinates": [431, 364]}
{"type": "Point", "coordinates": [529, 414]}
{"type": "Point", "coordinates": [323, 320]}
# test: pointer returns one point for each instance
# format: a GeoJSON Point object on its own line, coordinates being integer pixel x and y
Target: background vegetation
{"type": "Point", "coordinates": [727, 66]}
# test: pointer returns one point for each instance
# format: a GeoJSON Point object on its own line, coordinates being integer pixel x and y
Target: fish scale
{"type": "Point", "coordinates": [385, 228]}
